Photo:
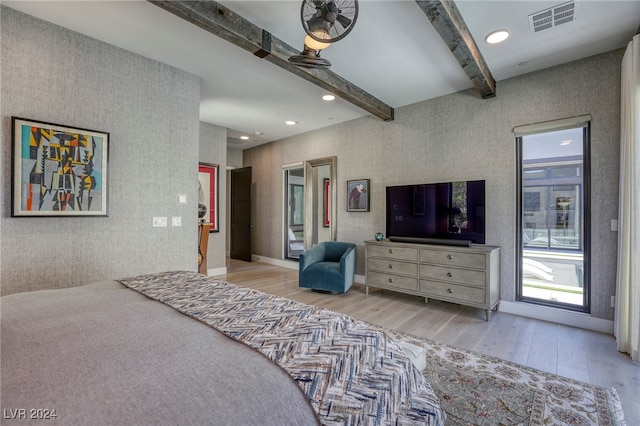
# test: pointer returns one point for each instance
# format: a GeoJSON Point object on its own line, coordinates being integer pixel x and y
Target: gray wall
{"type": "Point", "coordinates": [234, 158]}
{"type": "Point", "coordinates": [213, 150]}
{"type": "Point", "coordinates": [461, 137]}
{"type": "Point", "coordinates": [52, 74]}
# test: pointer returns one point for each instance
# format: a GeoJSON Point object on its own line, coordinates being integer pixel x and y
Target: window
{"type": "Point", "coordinates": [553, 214]}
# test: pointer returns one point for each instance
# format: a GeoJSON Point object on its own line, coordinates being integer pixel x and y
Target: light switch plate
{"type": "Point", "coordinates": [182, 199]}
{"type": "Point", "coordinates": [614, 224]}
{"type": "Point", "coordinates": [159, 221]}
{"type": "Point", "coordinates": [176, 221]}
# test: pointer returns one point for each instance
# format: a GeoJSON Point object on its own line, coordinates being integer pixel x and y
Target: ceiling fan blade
{"type": "Point", "coordinates": [344, 21]}
{"type": "Point", "coordinates": [315, 23]}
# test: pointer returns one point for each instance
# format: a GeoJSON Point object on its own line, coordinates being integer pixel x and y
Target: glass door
{"type": "Point", "coordinates": [553, 218]}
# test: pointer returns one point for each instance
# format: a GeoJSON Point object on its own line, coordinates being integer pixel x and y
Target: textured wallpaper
{"type": "Point", "coordinates": [462, 137]}
{"type": "Point", "coordinates": [213, 150]}
{"type": "Point", "coordinates": [51, 74]}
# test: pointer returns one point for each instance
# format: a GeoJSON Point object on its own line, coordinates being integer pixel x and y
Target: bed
{"type": "Point", "coordinates": [183, 348]}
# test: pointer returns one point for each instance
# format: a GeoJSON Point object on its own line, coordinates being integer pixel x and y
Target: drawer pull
{"type": "Point", "coordinates": [449, 274]}
{"type": "Point", "coordinates": [390, 266]}
{"type": "Point", "coordinates": [449, 291]}
{"type": "Point", "coordinates": [449, 257]}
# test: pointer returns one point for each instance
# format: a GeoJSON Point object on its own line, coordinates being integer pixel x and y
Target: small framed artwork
{"type": "Point", "coordinates": [326, 203]}
{"type": "Point", "coordinates": [358, 195]}
{"type": "Point", "coordinates": [208, 194]}
{"type": "Point", "coordinates": [58, 170]}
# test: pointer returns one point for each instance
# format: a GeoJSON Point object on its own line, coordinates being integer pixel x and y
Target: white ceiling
{"type": "Point", "coordinates": [393, 52]}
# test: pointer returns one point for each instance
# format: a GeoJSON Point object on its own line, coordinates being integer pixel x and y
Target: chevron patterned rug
{"type": "Point", "coordinates": [476, 389]}
{"type": "Point", "coordinates": [352, 373]}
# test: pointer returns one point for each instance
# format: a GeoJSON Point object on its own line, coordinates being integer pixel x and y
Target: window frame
{"type": "Point", "coordinates": [586, 212]}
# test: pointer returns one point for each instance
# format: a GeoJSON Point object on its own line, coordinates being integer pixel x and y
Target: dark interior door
{"type": "Point", "coordinates": [240, 239]}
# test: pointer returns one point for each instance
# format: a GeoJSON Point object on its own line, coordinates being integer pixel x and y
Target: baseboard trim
{"type": "Point", "coordinates": [545, 313]}
{"type": "Point", "coordinates": [217, 271]}
{"type": "Point", "coordinates": [292, 264]}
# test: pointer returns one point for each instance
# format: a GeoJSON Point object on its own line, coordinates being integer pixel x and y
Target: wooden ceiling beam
{"type": "Point", "coordinates": [222, 22]}
{"type": "Point", "coordinates": [447, 21]}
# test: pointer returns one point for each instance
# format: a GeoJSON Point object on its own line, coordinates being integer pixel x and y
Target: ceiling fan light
{"type": "Point", "coordinates": [497, 36]}
{"type": "Point", "coordinates": [314, 44]}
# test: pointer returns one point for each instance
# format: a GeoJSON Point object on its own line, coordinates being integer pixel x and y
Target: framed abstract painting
{"type": "Point", "coordinates": [208, 193]}
{"type": "Point", "coordinates": [58, 170]}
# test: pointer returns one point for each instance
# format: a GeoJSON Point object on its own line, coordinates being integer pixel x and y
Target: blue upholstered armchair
{"type": "Point", "coordinates": [328, 266]}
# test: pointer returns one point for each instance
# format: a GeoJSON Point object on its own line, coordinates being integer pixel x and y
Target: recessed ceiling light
{"type": "Point", "coordinates": [328, 97]}
{"type": "Point", "coordinates": [257, 133]}
{"type": "Point", "coordinates": [564, 143]}
{"type": "Point", "coordinates": [497, 36]}
{"type": "Point", "coordinates": [290, 122]}
{"type": "Point", "coordinates": [244, 138]}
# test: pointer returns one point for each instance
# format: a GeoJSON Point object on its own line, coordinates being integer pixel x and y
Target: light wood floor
{"type": "Point", "coordinates": [570, 352]}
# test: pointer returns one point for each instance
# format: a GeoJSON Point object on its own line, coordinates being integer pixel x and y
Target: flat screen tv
{"type": "Point", "coordinates": [438, 213]}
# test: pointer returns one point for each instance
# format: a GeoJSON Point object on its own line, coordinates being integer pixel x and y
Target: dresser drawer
{"type": "Point", "coordinates": [392, 252]}
{"type": "Point", "coordinates": [453, 291]}
{"type": "Point", "coordinates": [452, 258]}
{"type": "Point", "coordinates": [392, 266]}
{"type": "Point", "coordinates": [453, 275]}
{"type": "Point", "coordinates": [388, 280]}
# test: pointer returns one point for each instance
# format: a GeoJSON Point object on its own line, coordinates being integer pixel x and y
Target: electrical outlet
{"type": "Point", "coordinates": [176, 221]}
{"type": "Point", "coordinates": [159, 221]}
{"type": "Point", "coordinates": [614, 224]}
{"type": "Point", "coordinates": [613, 301]}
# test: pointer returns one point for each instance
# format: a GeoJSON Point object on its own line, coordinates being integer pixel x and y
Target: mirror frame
{"type": "Point", "coordinates": [310, 194]}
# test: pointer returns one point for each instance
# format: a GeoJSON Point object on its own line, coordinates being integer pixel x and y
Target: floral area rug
{"type": "Point", "coordinates": [476, 389]}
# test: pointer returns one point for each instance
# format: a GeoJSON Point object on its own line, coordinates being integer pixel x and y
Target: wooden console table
{"type": "Point", "coordinates": [203, 242]}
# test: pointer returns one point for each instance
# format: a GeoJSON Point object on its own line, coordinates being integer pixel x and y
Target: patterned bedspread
{"type": "Point", "coordinates": [351, 372]}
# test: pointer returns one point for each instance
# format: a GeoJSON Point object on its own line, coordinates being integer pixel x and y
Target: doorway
{"type": "Point", "coordinates": [294, 211]}
{"type": "Point", "coordinates": [241, 226]}
{"type": "Point", "coordinates": [553, 217]}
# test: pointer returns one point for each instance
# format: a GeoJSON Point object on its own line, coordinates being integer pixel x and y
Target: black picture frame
{"type": "Point", "coordinates": [58, 170]}
{"type": "Point", "coordinates": [358, 195]}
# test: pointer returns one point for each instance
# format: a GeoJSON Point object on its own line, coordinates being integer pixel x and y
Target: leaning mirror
{"type": "Point", "coordinates": [320, 211]}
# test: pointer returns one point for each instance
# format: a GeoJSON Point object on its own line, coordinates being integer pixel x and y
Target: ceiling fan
{"type": "Point", "coordinates": [325, 22]}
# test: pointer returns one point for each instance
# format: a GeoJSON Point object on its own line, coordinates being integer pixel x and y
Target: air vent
{"type": "Point", "coordinates": [552, 17]}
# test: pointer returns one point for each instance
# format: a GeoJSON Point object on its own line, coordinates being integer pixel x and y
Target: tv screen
{"type": "Point", "coordinates": [444, 211]}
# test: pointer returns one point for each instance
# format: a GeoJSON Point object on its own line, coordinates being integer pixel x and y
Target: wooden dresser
{"type": "Point", "coordinates": [465, 275]}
